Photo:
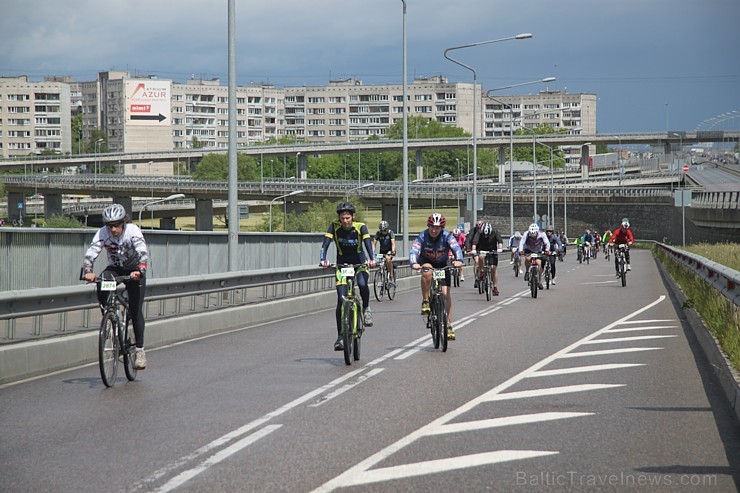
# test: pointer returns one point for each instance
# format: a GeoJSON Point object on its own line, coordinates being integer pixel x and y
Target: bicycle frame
{"type": "Point", "coordinates": [352, 322]}
{"type": "Point", "coordinates": [437, 318]}
{"type": "Point", "coordinates": [114, 336]}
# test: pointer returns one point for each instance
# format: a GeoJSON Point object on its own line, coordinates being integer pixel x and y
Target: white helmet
{"type": "Point", "coordinates": [383, 225]}
{"type": "Point", "coordinates": [486, 230]}
{"type": "Point", "coordinates": [114, 213]}
{"type": "Point", "coordinates": [625, 223]}
{"type": "Point", "coordinates": [517, 235]}
{"type": "Point", "coordinates": [533, 229]}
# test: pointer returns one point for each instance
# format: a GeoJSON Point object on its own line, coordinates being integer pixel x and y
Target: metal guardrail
{"type": "Point", "coordinates": [230, 289]}
{"type": "Point", "coordinates": [723, 279]}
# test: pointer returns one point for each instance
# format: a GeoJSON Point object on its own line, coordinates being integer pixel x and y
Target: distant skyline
{"type": "Point", "coordinates": [653, 64]}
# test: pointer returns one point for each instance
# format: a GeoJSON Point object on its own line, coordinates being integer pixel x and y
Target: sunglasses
{"type": "Point", "coordinates": [115, 225]}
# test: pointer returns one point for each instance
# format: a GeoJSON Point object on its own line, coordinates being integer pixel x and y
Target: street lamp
{"type": "Point", "coordinates": [405, 147]}
{"type": "Point", "coordinates": [346, 195]}
{"type": "Point", "coordinates": [166, 199]}
{"type": "Point", "coordinates": [511, 142]}
{"type": "Point", "coordinates": [550, 192]}
{"type": "Point", "coordinates": [95, 163]}
{"type": "Point", "coordinates": [475, 85]}
{"type": "Point", "coordinates": [294, 192]}
{"type": "Point", "coordinates": [434, 196]}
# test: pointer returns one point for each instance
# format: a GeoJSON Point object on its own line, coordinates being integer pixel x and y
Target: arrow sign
{"type": "Point", "coordinates": [159, 117]}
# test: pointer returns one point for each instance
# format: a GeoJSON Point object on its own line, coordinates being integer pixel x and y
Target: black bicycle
{"type": "Point", "coordinates": [534, 273]}
{"type": "Point", "coordinates": [437, 317]}
{"type": "Point", "coordinates": [383, 285]}
{"type": "Point", "coordinates": [619, 253]}
{"type": "Point", "coordinates": [115, 337]}
{"type": "Point", "coordinates": [485, 282]}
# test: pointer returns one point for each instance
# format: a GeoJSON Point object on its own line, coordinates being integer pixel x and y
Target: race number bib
{"type": "Point", "coordinates": [108, 285]}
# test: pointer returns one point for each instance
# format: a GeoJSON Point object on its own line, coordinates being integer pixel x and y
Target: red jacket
{"type": "Point", "coordinates": [620, 236]}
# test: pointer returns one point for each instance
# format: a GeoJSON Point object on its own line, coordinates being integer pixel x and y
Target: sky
{"type": "Point", "coordinates": [654, 65]}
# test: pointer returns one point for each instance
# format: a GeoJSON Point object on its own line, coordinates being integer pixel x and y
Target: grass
{"type": "Point", "coordinates": [720, 315]}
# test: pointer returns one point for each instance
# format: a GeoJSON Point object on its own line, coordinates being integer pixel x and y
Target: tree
{"type": "Point", "coordinates": [77, 134]}
{"type": "Point", "coordinates": [543, 153]}
{"type": "Point", "coordinates": [57, 221]}
{"type": "Point", "coordinates": [315, 220]}
{"type": "Point", "coordinates": [215, 167]}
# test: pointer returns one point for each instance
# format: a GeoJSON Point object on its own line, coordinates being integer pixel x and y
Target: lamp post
{"type": "Point", "coordinates": [550, 193]}
{"type": "Point", "coordinates": [475, 112]}
{"type": "Point", "coordinates": [405, 151]}
{"type": "Point", "coordinates": [294, 192]}
{"type": "Point", "coordinates": [166, 199]}
{"type": "Point", "coordinates": [95, 163]}
{"type": "Point", "coordinates": [511, 142]}
{"type": "Point", "coordinates": [434, 196]}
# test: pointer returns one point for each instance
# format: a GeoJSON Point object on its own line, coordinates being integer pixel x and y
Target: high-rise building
{"type": "Point", "coordinates": [35, 117]}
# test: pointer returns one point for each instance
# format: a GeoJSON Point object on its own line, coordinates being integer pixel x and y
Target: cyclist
{"type": "Point", "coordinates": [127, 255]}
{"type": "Point", "coordinates": [535, 241]}
{"type": "Point", "coordinates": [605, 241]}
{"type": "Point", "coordinates": [349, 237]}
{"type": "Point", "coordinates": [587, 240]}
{"type": "Point", "coordinates": [489, 239]}
{"type": "Point", "coordinates": [622, 235]}
{"type": "Point", "coordinates": [514, 247]}
{"type": "Point", "coordinates": [556, 246]}
{"type": "Point", "coordinates": [597, 241]}
{"type": "Point", "coordinates": [461, 238]}
{"type": "Point", "coordinates": [385, 243]}
{"type": "Point", "coordinates": [430, 249]}
{"type": "Point", "coordinates": [469, 247]}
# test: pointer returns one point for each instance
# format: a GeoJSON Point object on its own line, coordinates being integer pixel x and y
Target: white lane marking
{"type": "Point", "coordinates": [344, 388]}
{"type": "Point", "coordinates": [225, 453]}
{"type": "Point", "coordinates": [441, 465]}
{"type": "Point", "coordinates": [626, 339]}
{"type": "Point", "coordinates": [599, 282]}
{"type": "Point", "coordinates": [583, 369]}
{"type": "Point", "coordinates": [523, 394]}
{"type": "Point", "coordinates": [504, 421]}
{"type": "Point", "coordinates": [351, 475]}
{"type": "Point", "coordinates": [238, 432]}
{"type": "Point", "coordinates": [649, 327]}
{"type": "Point", "coordinates": [609, 351]}
{"type": "Point", "coordinates": [626, 322]}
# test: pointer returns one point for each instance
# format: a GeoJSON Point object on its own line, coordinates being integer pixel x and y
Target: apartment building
{"type": "Point", "coordinates": [573, 113]}
{"type": "Point", "coordinates": [34, 117]}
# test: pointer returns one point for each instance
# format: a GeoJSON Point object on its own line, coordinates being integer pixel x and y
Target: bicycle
{"type": "Point", "coordinates": [534, 274]}
{"type": "Point", "coordinates": [516, 263]}
{"type": "Point", "coordinates": [485, 282]}
{"type": "Point", "coordinates": [586, 253]}
{"type": "Point", "coordinates": [383, 285]}
{"type": "Point", "coordinates": [621, 262]}
{"type": "Point", "coordinates": [455, 275]}
{"type": "Point", "coordinates": [549, 260]}
{"type": "Point", "coordinates": [437, 317]}
{"type": "Point", "coordinates": [606, 252]}
{"type": "Point", "coordinates": [351, 317]}
{"type": "Point", "coordinates": [115, 338]}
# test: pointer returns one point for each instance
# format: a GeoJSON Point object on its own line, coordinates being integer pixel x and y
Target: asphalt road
{"type": "Point", "coordinates": [589, 387]}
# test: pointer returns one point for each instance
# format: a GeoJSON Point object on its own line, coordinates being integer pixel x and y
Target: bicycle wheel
{"type": "Point", "coordinates": [434, 314]}
{"type": "Point", "coordinates": [533, 281]}
{"type": "Point", "coordinates": [390, 287]}
{"type": "Point", "coordinates": [489, 285]}
{"type": "Point", "coordinates": [456, 278]}
{"type": "Point", "coordinates": [623, 273]}
{"type": "Point", "coordinates": [442, 322]}
{"type": "Point", "coordinates": [379, 284]}
{"type": "Point", "coordinates": [347, 318]}
{"type": "Point", "coordinates": [108, 349]}
{"type": "Point", "coordinates": [547, 276]}
{"type": "Point", "coordinates": [128, 347]}
{"type": "Point", "coordinates": [516, 269]}
{"type": "Point", "coordinates": [357, 334]}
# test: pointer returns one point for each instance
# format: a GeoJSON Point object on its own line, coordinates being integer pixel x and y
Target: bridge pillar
{"type": "Point", "coordinates": [584, 161]}
{"type": "Point", "coordinates": [127, 204]}
{"type": "Point", "coordinates": [15, 212]}
{"type": "Point", "coordinates": [302, 174]}
{"type": "Point", "coordinates": [390, 212]}
{"type": "Point", "coordinates": [167, 223]}
{"type": "Point", "coordinates": [52, 205]}
{"type": "Point", "coordinates": [203, 215]}
{"type": "Point", "coordinates": [501, 164]}
{"type": "Point", "coordinates": [419, 165]}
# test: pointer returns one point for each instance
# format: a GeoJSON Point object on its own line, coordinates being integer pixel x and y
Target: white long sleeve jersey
{"type": "Point", "coordinates": [128, 251]}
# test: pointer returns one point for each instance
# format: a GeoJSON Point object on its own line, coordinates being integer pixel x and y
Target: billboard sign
{"type": "Point", "coordinates": [148, 102]}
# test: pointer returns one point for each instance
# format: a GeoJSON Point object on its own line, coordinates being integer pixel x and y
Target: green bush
{"type": "Point", "coordinates": [62, 222]}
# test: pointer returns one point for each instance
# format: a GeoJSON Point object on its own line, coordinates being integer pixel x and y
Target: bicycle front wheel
{"type": "Point", "coordinates": [435, 314]}
{"type": "Point", "coordinates": [533, 276]}
{"type": "Point", "coordinates": [623, 273]}
{"type": "Point", "coordinates": [442, 322]}
{"type": "Point", "coordinates": [108, 349]}
{"type": "Point", "coordinates": [489, 286]}
{"type": "Point", "coordinates": [379, 284]}
{"type": "Point", "coordinates": [348, 309]}
{"type": "Point", "coordinates": [357, 335]}
{"type": "Point", "coordinates": [390, 289]}
{"type": "Point", "coordinates": [128, 347]}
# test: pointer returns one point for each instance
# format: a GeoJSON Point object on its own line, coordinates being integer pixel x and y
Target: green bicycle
{"type": "Point", "coordinates": [351, 317]}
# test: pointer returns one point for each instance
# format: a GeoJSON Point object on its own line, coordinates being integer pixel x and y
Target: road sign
{"type": "Point", "coordinates": [685, 168]}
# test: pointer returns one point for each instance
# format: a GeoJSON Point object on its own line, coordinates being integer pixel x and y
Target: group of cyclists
{"type": "Point", "coordinates": [434, 248]}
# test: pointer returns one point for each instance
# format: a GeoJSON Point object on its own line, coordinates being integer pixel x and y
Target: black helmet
{"type": "Point", "coordinates": [345, 206]}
